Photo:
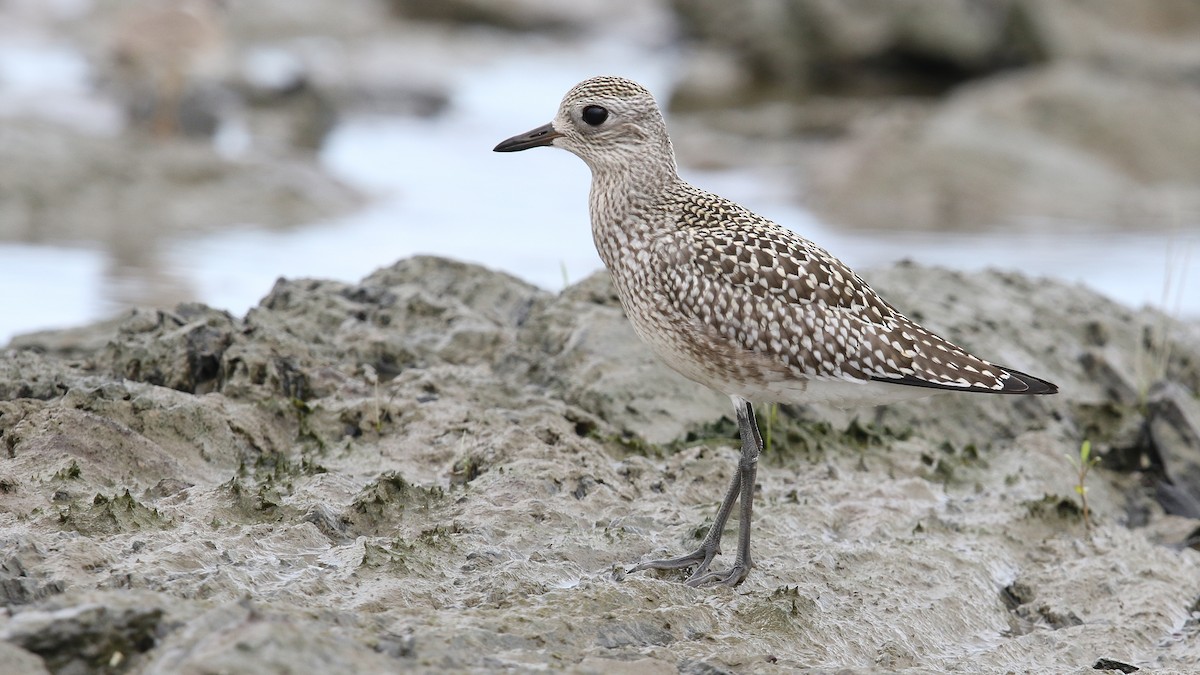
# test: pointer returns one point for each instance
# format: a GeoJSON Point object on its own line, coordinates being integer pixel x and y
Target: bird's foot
{"type": "Point", "coordinates": [730, 577]}
{"type": "Point", "coordinates": [701, 557]}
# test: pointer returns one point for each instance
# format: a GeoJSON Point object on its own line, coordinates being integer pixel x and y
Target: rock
{"type": "Point", "coordinates": [925, 47]}
{"type": "Point", "coordinates": [518, 15]}
{"type": "Point", "coordinates": [914, 46]}
{"type": "Point", "coordinates": [243, 638]}
{"type": "Point", "coordinates": [415, 313]}
{"type": "Point", "coordinates": [442, 468]}
{"type": "Point", "coordinates": [58, 185]}
{"type": "Point", "coordinates": [1140, 39]}
{"type": "Point", "coordinates": [1113, 664]}
{"type": "Point", "coordinates": [18, 661]}
{"type": "Point", "coordinates": [27, 374]}
{"type": "Point", "coordinates": [524, 15]}
{"type": "Point", "coordinates": [195, 337]}
{"type": "Point", "coordinates": [1173, 426]}
{"type": "Point", "coordinates": [1118, 384]}
{"type": "Point", "coordinates": [964, 114]}
{"type": "Point", "coordinates": [1069, 143]}
{"type": "Point", "coordinates": [89, 636]}
{"type": "Point", "coordinates": [22, 575]}
{"type": "Point", "coordinates": [70, 343]}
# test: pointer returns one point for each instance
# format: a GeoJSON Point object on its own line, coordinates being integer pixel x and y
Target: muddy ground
{"type": "Point", "coordinates": [444, 469]}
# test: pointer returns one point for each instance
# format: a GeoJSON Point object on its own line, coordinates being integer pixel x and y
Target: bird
{"type": "Point", "coordinates": [736, 302]}
{"type": "Point", "coordinates": [161, 50]}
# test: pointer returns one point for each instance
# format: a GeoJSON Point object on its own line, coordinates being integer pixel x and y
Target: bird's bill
{"type": "Point", "coordinates": [543, 135]}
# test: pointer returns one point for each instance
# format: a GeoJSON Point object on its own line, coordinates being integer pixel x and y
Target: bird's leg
{"type": "Point", "coordinates": [747, 468]}
{"type": "Point", "coordinates": [711, 546]}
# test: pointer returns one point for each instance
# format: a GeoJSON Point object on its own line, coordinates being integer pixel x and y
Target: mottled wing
{"type": "Point", "coordinates": [766, 290]}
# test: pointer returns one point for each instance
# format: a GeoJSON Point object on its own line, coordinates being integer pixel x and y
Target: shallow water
{"type": "Point", "coordinates": [438, 188]}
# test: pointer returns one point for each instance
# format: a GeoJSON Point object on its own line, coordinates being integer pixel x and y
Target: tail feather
{"type": "Point", "coordinates": [1016, 383]}
{"type": "Point", "coordinates": [1023, 383]}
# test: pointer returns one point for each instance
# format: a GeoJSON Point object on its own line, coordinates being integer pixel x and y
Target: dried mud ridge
{"type": "Point", "coordinates": [442, 468]}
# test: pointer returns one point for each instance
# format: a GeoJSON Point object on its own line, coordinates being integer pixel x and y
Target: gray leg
{"type": "Point", "coordinates": [742, 486]}
{"type": "Point", "coordinates": [711, 545]}
{"type": "Point", "coordinates": [747, 468]}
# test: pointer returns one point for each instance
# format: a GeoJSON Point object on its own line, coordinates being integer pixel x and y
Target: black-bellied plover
{"type": "Point", "coordinates": [734, 301]}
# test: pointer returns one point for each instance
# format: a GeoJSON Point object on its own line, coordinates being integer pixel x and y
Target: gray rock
{"type": "Point", "coordinates": [957, 115]}
{"type": "Point", "coordinates": [912, 46]}
{"type": "Point", "coordinates": [18, 661]}
{"type": "Point", "coordinates": [58, 185]}
{"type": "Point", "coordinates": [1173, 426]}
{"type": "Point", "coordinates": [86, 637]}
{"type": "Point", "coordinates": [1065, 142]}
{"type": "Point", "coordinates": [22, 575]}
{"type": "Point", "coordinates": [927, 46]}
{"type": "Point", "coordinates": [1154, 40]}
{"type": "Point", "coordinates": [246, 638]}
{"type": "Point", "coordinates": [524, 15]}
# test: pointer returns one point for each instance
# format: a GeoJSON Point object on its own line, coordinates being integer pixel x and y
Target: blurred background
{"type": "Point", "coordinates": [153, 152]}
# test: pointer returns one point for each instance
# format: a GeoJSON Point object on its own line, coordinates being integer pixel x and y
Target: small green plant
{"type": "Point", "coordinates": [1083, 464]}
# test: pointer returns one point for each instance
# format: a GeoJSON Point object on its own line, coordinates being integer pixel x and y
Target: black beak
{"type": "Point", "coordinates": [543, 135]}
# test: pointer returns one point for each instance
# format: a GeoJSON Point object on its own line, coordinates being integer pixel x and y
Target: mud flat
{"type": "Point", "coordinates": [444, 469]}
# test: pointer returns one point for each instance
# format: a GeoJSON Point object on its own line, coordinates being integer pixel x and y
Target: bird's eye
{"type": "Point", "coordinates": [595, 115]}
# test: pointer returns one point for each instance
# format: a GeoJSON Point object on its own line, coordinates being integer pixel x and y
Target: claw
{"type": "Point", "coordinates": [730, 577]}
{"type": "Point", "coordinates": [701, 557]}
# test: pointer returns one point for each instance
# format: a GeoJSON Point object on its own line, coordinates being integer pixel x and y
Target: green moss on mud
{"type": "Point", "coordinates": [111, 515]}
{"type": "Point", "coordinates": [949, 463]}
{"type": "Point", "coordinates": [71, 472]}
{"type": "Point", "coordinates": [792, 437]}
{"type": "Point", "coordinates": [384, 501]}
{"type": "Point", "coordinates": [1054, 507]}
